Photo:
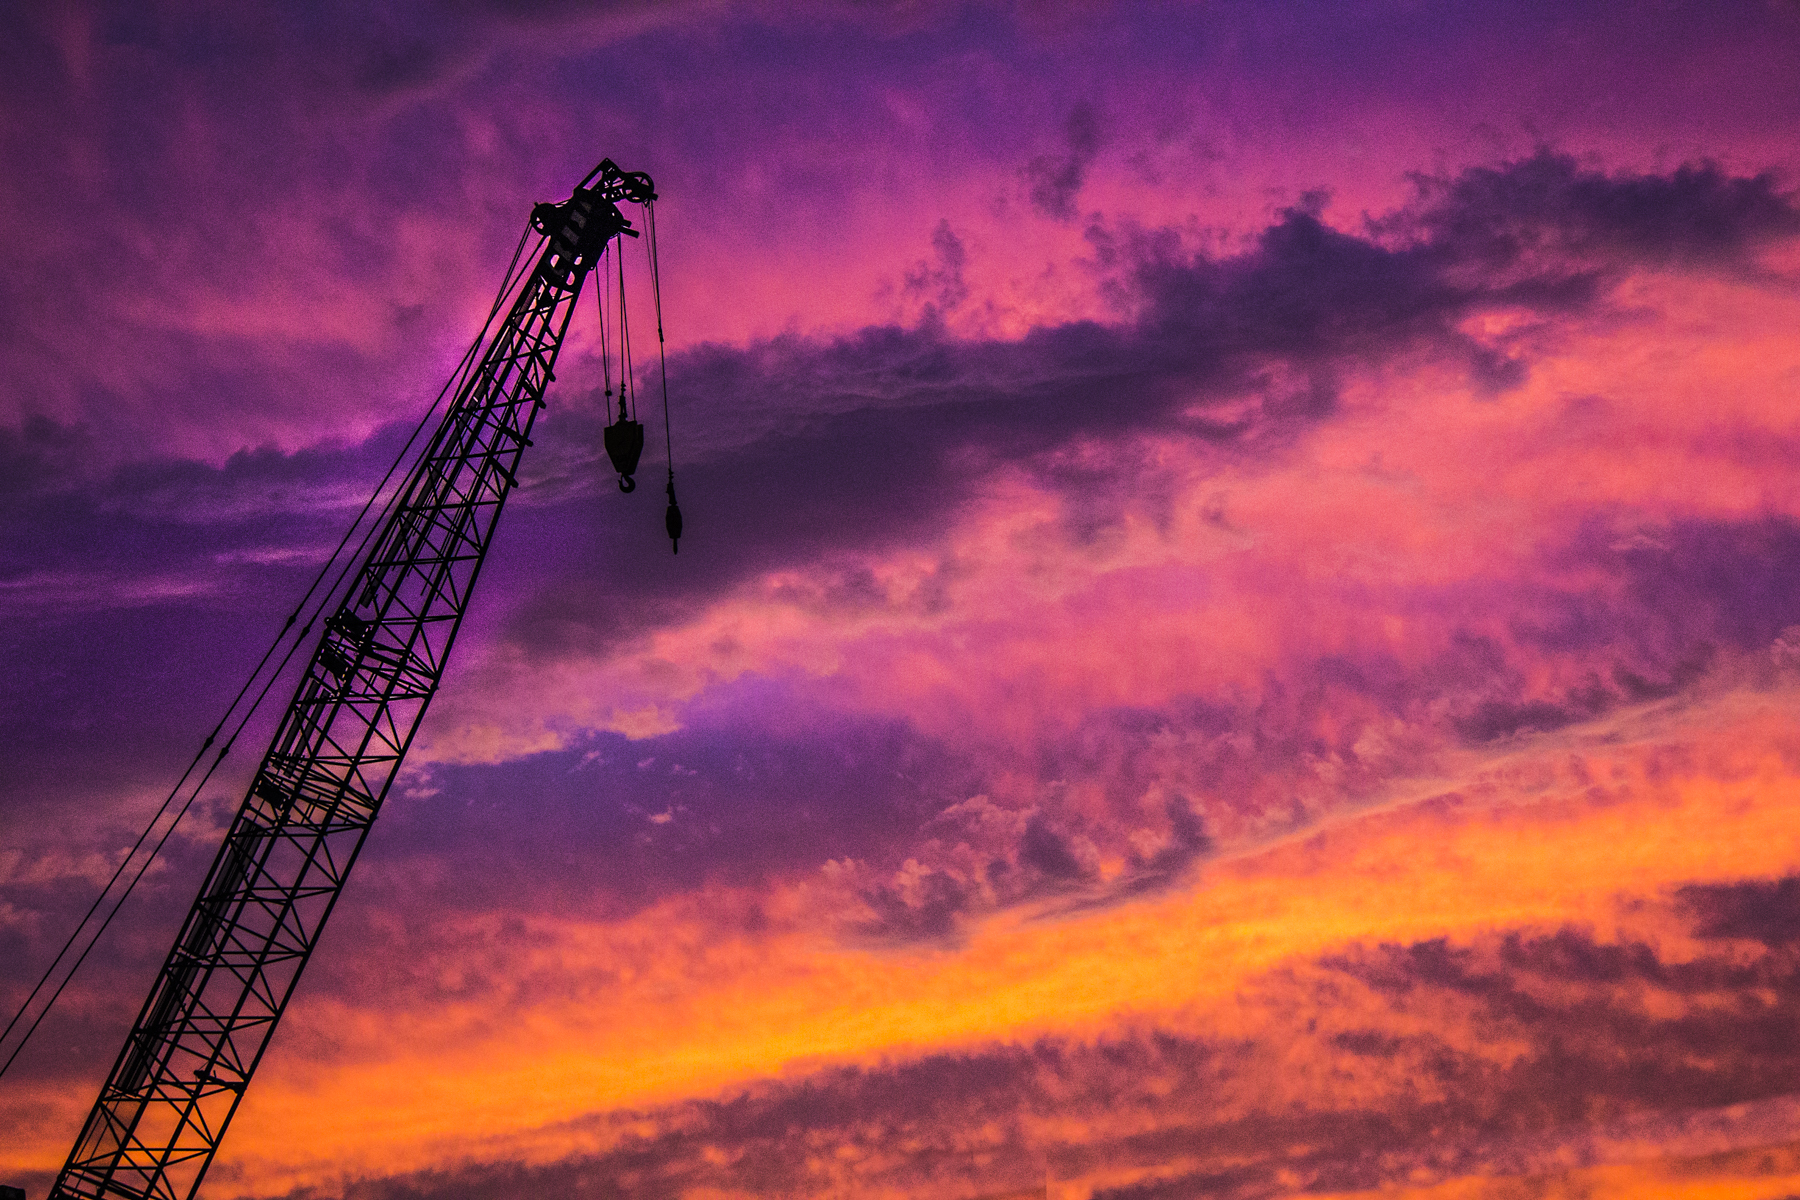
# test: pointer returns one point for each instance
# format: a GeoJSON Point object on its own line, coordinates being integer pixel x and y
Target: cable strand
{"type": "Point", "coordinates": [508, 282]}
{"type": "Point", "coordinates": [661, 352]}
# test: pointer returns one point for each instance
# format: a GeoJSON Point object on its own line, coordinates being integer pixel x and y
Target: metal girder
{"type": "Point", "coordinates": [232, 971]}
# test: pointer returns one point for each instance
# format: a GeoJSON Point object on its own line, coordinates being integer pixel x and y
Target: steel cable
{"type": "Point", "coordinates": [457, 377]}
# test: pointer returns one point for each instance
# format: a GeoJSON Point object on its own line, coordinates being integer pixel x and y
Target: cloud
{"type": "Point", "coordinates": [1512, 1053]}
{"type": "Point", "coordinates": [1761, 911]}
{"type": "Point", "coordinates": [1347, 983]}
{"type": "Point", "coordinates": [934, 288]}
{"type": "Point", "coordinates": [747, 804]}
{"type": "Point", "coordinates": [1127, 545]}
{"type": "Point", "coordinates": [797, 448]}
{"type": "Point", "coordinates": [1139, 747]}
{"type": "Point", "coordinates": [1054, 181]}
{"type": "Point", "coordinates": [1545, 209]}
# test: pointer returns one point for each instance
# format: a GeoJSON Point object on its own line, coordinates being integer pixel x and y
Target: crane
{"type": "Point", "coordinates": [205, 1026]}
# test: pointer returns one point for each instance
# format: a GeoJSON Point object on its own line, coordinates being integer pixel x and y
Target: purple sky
{"type": "Point", "coordinates": [1236, 633]}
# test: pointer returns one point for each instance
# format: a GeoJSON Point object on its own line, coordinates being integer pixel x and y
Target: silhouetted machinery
{"type": "Point", "coordinates": [204, 1028]}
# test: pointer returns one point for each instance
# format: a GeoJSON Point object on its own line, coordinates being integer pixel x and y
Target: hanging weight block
{"type": "Point", "coordinates": [625, 445]}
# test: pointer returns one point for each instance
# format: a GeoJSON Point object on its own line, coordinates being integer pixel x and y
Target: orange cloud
{"type": "Point", "coordinates": [712, 990]}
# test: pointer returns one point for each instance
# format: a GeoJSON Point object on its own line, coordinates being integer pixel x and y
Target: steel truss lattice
{"type": "Point", "coordinates": [203, 1030]}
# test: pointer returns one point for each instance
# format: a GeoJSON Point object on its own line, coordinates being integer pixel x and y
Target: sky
{"type": "Point", "coordinates": [1237, 633]}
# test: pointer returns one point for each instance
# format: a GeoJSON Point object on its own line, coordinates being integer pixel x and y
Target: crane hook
{"type": "Point", "coordinates": [624, 445]}
{"type": "Point", "coordinates": [672, 520]}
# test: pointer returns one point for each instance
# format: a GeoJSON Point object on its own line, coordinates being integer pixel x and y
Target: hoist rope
{"type": "Point", "coordinates": [661, 352]}
{"type": "Point", "coordinates": [625, 375]}
{"type": "Point", "coordinates": [460, 374]}
{"type": "Point", "coordinates": [605, 352]}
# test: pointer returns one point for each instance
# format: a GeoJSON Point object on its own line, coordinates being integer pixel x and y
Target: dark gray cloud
{"type": "Point", "coordinates": [1550, 209]}
{"type": "Point", "coordinates": [938, 286]}
{"type": "Point", "coordinates": [307, 138]}
{"type": "Point", "coordinates": [796, 448]}
{"type": "Point", "coordinates": [1048, 852]}
{"type": "Point", "coordinates": [1054, 181]}
{"type": "Point", "coordinates": [1764, 911]}
{"type": "Point", "coordinates": [1695, 593]}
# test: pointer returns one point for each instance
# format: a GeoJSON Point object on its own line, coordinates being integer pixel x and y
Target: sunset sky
{"type": "Point", "coordinates": [1238, 633]}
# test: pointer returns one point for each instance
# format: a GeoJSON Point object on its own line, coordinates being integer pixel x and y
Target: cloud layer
{"type": "Point", "coordinates": [1238, 643]}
